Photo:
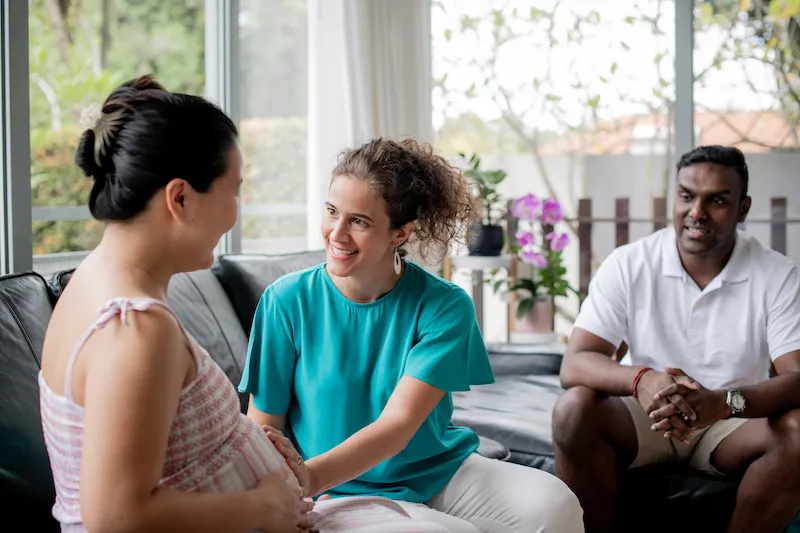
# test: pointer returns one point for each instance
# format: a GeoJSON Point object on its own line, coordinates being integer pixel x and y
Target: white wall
{"type": "Point", "coordinates": [775, 175]}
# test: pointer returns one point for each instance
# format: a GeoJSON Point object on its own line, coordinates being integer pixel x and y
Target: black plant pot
{"type": "Point", "coordinates": [487, 240]}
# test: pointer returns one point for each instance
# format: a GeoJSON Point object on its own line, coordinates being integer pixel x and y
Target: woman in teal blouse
{"type": "Point", "coordinates": [355, 359]}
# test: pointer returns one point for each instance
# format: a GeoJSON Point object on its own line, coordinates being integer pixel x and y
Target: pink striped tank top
{"type": "Point", "coordinates": [212, 447]}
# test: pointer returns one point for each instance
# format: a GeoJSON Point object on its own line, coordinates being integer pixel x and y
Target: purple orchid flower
{"type": "Point", "coordinates": [534, 258]}
{"type": "Point", "coordinates": [525, 238]}
{"type": "Point", "coordinates": [551, 212]}
{"type": "Point", "coordinates": [557, 242]}
{"type": "Point", "coordinates": [527, 207]}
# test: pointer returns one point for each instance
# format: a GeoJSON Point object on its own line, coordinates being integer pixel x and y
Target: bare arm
{"type": "Point", "coordinates": [777, 395]}
{"type": "Point", "coordinates": [408, 407]}
{"type": "Point", "coordinates": [587, 361]}
{"type": "Point", "coordinates": [131, 395]}
{"type": "Point", "coordinates": [265, 419]}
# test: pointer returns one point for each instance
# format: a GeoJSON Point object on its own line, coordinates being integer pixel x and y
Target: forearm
{"type": "Point", "coordinates": [772, 397]}
{"type": "Point", "coordinates": [598, 372]}
{"type": "Point", "coordinates": [362, 451]}
{"type": "Point", "coordinates": [170, 510]}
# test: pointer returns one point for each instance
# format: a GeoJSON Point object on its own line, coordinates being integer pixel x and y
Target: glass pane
{"type": "Point", "coordinates": [274, 111]}
{"type": "Point", "coordinates": [746, 74]}
{"type": "Point", "coordinates": [80, 51]}
{"type": "Point", "coordinates": [572, 98]}
{"type": "Point", "coordinates": [3, 242]}
{"type": "Point", "coordinates": [747, 94]}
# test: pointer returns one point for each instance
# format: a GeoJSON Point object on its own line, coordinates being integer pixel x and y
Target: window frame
{"type": "Point", "coordinates": [17, 248]}
{"type": "Point", "coordinates": [222, 79]}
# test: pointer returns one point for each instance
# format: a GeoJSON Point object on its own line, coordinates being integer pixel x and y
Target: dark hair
{"type": "Point", "coordinates": [417, 185]}
{"type": "Point", "coordinates": [727, 156]}
{"type": "Point", "coordinates": [147, 136]}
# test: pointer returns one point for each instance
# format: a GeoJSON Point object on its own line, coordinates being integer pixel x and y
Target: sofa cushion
{"type": "Point", "coordinates": [246, 276]}
{"type": "Point", "coordinates": [57, 282]}
{"type": "Point", "coordinates": [26, 482]}
{"type": "Point", "coordinates": [515, 411]}
{"type": "Point", "coordinates": [525, 358]}
{"type": "Point", "coordinates": [492, 449]}
{"type": "Point", "coordinates": [205, 311]}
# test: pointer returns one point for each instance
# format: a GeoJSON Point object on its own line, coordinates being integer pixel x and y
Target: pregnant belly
{"type": "Point", "coordinates": [235, 465]}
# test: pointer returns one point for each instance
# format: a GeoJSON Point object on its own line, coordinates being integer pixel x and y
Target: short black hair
{"type": "Point", "coordinates": [147, 136]}
{"type": "Point", "coordinates": [727, 156]}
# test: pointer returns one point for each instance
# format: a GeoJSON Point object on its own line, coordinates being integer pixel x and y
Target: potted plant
{"type": "Point", "coordinates": [488, 238]}
{"type": "Point", "coordinates": [541, 275]}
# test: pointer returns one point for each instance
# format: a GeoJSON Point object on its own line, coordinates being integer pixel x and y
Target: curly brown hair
{"type": "Point", "coordinates": [418, 186]}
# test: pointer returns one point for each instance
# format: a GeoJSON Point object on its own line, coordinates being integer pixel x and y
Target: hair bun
{"type": "Point", "coordinates": [84, 155]}
{"type": "Point", "coordinates": [146, 83]}
{"type": "Point", "coordinates": [126, 95]}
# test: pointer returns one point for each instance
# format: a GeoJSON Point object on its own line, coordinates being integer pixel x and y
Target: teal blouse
{"type": "Point", "coordinates": [330, 364]}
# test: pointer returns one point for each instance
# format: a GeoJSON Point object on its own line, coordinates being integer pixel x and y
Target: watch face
{"type": "Point", "coordinates": [737, 401]}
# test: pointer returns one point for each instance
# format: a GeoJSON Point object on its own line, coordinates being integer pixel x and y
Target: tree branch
{"type": "Point", "coordinates": [52, 99]}
{"type": "Point", "coordinates": [58, 11]}
{"type": "Point", "coordinates": [105, 33]}
{"type": "Point", "coordinates": [742, 136]}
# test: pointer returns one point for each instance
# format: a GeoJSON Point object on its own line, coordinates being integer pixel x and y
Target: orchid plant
{"type": "Point", "coordinates": [539, 245]}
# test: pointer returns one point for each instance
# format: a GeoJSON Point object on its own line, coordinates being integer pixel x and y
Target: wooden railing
{"type": "Point", "coordinates": [584, 225]}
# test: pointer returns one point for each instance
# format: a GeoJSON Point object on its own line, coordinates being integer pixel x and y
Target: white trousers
{"type": "Point", "coordinates": [491, 496]}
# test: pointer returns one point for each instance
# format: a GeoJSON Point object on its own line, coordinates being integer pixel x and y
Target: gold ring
{"type": "Point", "coordinates": [299, 460]}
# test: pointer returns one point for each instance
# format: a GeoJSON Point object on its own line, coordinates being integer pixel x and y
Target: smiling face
{"type": "Point", "coordinates": [355, 228]}
{"type": "Point", "coordinates": [708, 206]}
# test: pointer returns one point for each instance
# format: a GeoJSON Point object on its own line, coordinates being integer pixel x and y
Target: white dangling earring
{"type": "Point", "coordinates": [398, 265]}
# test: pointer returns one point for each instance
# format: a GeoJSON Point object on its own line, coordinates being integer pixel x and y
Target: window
{"type": "Point", "coordinates": [15, 222]}
{"type": "Point", "coordinates": [3, 225]}
{"type": "Point", "coordinates": [4, 247]}
{"type": "Point", "coordinates": [746, 87]}
{"type": "Point", "coordinates": [572, 98]}
{"type": "Point", "coordinates": [273, 108]}
{"type": "Point", "coordinates": [80, 51]}
{"type": "Point", "coordinates": [747, 94]}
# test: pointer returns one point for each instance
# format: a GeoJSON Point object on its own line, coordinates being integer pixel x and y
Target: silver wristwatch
{"type": "Point", "coordinates": [735, 402]}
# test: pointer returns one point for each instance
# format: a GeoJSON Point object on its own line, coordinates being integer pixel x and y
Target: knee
{"type": "Point", "coordinates": [573, 415]}
{"type": "Point", "coordinates": [787, 434]}
{"type": "Point", "coordinates": [560, 509]}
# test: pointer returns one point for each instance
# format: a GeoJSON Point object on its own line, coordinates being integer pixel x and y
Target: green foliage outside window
{"type": "Point", "coordinates": [80, 51]}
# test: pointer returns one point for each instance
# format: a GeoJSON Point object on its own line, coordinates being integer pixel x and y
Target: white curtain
{"type": "Point", "coordinates": [388, 68]}
{"type": "Point", "coordinates": [369, 76]}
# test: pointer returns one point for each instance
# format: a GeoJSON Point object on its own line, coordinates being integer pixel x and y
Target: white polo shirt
{"type": "Point", "coordinates": [723, 336]}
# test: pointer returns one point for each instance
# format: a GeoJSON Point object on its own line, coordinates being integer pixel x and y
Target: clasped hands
{"type": "Point", "coordinates": [677, 404]}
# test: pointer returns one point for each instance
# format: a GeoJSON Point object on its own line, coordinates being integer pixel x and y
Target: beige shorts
{"type": "Point", "coordinates": [654, 448]}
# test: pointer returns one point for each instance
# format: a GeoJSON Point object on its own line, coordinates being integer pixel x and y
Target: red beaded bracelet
{"type": "Point", "coordinates": [635, 383]}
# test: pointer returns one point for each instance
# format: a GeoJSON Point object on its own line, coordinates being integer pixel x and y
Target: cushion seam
{"type": "Point", "coordinates": [216, 321]}
{"type": "Point", "coordinates": [22, 330]}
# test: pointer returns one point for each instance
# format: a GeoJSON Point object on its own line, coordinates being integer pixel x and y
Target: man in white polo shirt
{"type": "Point", "coordinates": [707, 312]}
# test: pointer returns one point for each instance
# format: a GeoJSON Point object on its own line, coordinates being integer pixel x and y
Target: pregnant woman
{"type": "Point", "coordinates": [142, 427]}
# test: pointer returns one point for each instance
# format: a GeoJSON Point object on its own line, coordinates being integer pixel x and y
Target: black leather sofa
{"type": "Point", "coordinates": [216, 306]}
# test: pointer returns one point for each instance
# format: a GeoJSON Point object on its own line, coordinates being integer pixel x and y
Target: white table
{"type": "Point", "coordinates": [478, 265]}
